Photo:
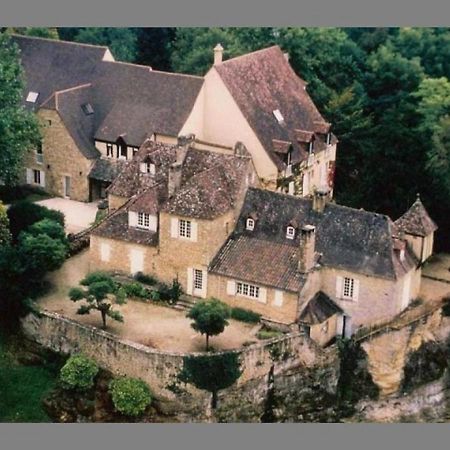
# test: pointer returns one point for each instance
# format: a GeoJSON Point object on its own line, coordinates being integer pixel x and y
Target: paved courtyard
{"type": "Point", "coordinates": [79, 215]}
{"type": "Point", "coordinates": [147, 323]}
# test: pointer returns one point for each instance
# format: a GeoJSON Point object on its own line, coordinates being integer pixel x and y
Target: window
{"type": "Point", "coordinates": [39, 155]}
{"type": "Point", "coordinates": [143, 220]}
{"type": "Point", "coordinates": [184, 228]}
{"type": "Point", "coordinates": [198, 279]}
{"type": "Point", "coordinates": [328, 138]}
{"type": "Point", "coordinates": [311, 146]}
{"type": "Point", "coordinates": [247, 290]}
{"type": "Point", "coordinates": [122, 152]}
{"type": "Point", "coordinates": [87, 109]}
{"type": "Point", "coordinates": [348, 287]}
{"type": "Point", "coordinates": [250, 224]}
{"type": "Point", "coordinates": [37, 176]}
{"type": "Point", "coordinates": [32, 96]}
{"type": "Point", "coordinates": [278, 116]}
{"type": "Point", "coordinates": [109, 150]}
{"type": "Point", "coordinates": [290, 232]}
{"type": "Point", "coordinates": [151, 169]}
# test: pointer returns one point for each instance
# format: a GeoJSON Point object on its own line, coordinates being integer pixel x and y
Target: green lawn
{"type": "Point", "coordinates": [22, 388]}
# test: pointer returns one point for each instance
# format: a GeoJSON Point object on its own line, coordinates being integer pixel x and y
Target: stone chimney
{"type": "Point", "coordinates": [174, 181]}
{"type": "Point", "coordinates": [321, 197]}
{"type": "Point", "coordinates": [218, 54]}
{"type": "Point", "coordinates": [307, 249]}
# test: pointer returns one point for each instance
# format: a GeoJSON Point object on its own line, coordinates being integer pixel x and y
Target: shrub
{"type": "Point", "coordinates": [95, 277]}
{"type": "Point", "coordinates": [268, 334]}
{"type": "Point", "coordinates": [135, 290]}
{"type": "Point", "coordinates": [245, 315]}
{"type": "Point", "coordinates": [130, 396]}
{"type": "Point", "coordinates": [50, 228]}
{"type": "Point", "coordinates": [78, 373]}
{"type": "Point", "coordinates": [24, 214]}
{"type": "Point", "coordinates": [146, 279]}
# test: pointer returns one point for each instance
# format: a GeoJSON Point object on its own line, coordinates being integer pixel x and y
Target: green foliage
{"type": "Point", "coordinates": [210, 317]}
{"type": "Point", "coordinates": [50, 228]}
{"type": "Point", "coordinates": [130, 396]}
{"type": "Point", "coordinates": [19, 128]}
{"type": "Point", "coordinates": [23, 214]}
{"type": "Point", "coordinates": [211, 372]}
{"type": "Point", "coordinates": [144, 278]}
{"type": "Point", "coordinates": [135, 290]}
{"type": "Point", "coordinates": [43, 32]}
{"type": "Point", "coordinates": [121, 41]}
{"type": "Point", "coordinates": [12, 194]}
{"type": "Point", "coordinates": [79, 373]}
{"type": "Point", "coordinates": [5, 235]}
{"type": "Point", "coordinates": [268, 334]}
{"type": "Point", "coordinates": [99, 293]}
{"type": "Point", "coordinates": [245, 315]}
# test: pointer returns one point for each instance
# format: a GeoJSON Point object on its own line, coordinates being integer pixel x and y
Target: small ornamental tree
{"type": "Point", "coordinates": [130, 396]}
{"type": "Point", "coordinates": [78, 373]}
{"type": "Point", "coordinates": [99, 293]}
{"type": "Point", "coordinates": [210, 318]}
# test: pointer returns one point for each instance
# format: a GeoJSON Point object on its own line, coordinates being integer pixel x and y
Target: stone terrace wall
{"type": "Point", "coordinates": [292, 353]}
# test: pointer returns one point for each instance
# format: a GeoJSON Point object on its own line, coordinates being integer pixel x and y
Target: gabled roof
{"type": "Point", "coordinates": [346, 238]}
{"type": "Point", "coordinates": [416, 220]}
{"type": "Point", "coordinates": [139, 101]}
{"type": "Point", "coordinates": [319, 309]}
{"type": "Point", "coordinates": [51, 65]}
{"type": "Point", "coordinates": [263, 82]}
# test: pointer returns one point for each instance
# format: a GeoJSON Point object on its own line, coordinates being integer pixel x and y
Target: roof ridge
{"type": "Point", "coordinates": [59, 41]}
{"type": "Point", "coordinates": [73, 88]}
{"type": "Point", "coordinates": [150, 69]}
{"type": "Point", "coordinates": [251, 53]}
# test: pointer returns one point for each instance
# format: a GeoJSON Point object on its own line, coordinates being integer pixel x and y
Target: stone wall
{"type": "Point", "coordinates": [293, 356]}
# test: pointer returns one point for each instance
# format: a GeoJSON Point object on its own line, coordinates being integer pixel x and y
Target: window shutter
{"type": "Point", "coordinates": [278, 300]}
{"type": "Point", "coordinates": [339, 283]}
{"type": "Point", "coordinates": [143, 167]}
{"type": "Point", "coordinates": [29, 176]}
{"type": "Point", "coordinates": [262, 295]}
{"type": "Point", "coordinates": [174, 227]}
{"type": "Point", "coordinates": [205, 283]}
{"type": "Point", "coordinates": [190, 274]}
{"type": "Point", "coordinates": [194, 231]}
{"type": "Point", "coordinates": [132, 219]}
{"type": "Point", "coordinates": [231, 287]}
{"type": "Point", "coordinates": [355, 290]}
{"type": "Point", "coordinates": [105, 251]}
{"type": "Point", "coordinates": [42, 178]}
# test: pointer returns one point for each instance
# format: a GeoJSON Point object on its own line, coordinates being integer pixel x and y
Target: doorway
{"type": "Point", "coordinates": [346, 326]}
{"type": "Point", "coordinates": [67, 186]}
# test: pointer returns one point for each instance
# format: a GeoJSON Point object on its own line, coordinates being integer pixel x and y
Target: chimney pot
{"type": "Point", "coordinates": [218, 54]}
{"type": "Point", "coordinates": [321, 197]}
{"type": "Point", "coordinates": [307, 249]}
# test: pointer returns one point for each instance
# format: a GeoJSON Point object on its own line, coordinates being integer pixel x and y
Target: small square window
{"type": "Point", "coordinates": [250, 225]}
{"type": "Point", "coordinates": [32, 97]}
{"type": "Point", "coordinates": [290, 232]}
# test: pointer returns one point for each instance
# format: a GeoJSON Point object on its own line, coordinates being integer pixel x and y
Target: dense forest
{"type": "Point", "coordinates": [385, 90]}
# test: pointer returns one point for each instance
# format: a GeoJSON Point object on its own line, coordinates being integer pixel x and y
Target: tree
{"type": "Point", "coordinates": [78, 373]}
{"type": "Point", "coordinates": [210, 318]}
{"type": "Point", "coordinates": [19, 129]}
{"type": "Point", "coordinates": [43, 32]}
{"type": "Point", "coordinates": [5, 235]}
{"type": "Point", "coordinates": [49, 227]}
{"type": "Point", "coordinates": [154, 47]}
{"type": "Point", "coordinates": [121, 41]}
{"type": "Point", "coordinates": [99, 294]}
{"type": "Point", "coordinates": [131, 396]}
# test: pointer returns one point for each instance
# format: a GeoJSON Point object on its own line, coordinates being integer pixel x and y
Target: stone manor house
{"type": "Point", "coordinates": [223, 182]}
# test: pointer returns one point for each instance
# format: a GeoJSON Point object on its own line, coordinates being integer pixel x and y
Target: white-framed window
{"type": "Point", "coordinates": [36, 176]}
{"type": "Point", "coordinates": [250, 224]}
{"type": "Point", "coordinates": [151, 169]}
{"type": "Point", "coordinates": [109, 150]}
{"type": "Point", "coordinates": [32, 97]}
{"type": "Point", "coordinates": [348, 287]}
{"type": "Point", "coordinates": [184, 228]}
{"type": "Point", "coordinates": [198, 279]}
{"type": "Point", "coordinates": [290, 232]}
{"type": "Point", "coordinates": [247, 290]}
{"type": "Point", "coordinates": [143, 220]}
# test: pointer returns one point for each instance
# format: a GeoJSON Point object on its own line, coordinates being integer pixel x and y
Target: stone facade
{"type": "Point", "coordinates": [60, 159]}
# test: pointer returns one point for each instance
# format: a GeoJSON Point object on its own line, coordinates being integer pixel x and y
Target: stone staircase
{"type": "Point", "coordinates": [185, 303]}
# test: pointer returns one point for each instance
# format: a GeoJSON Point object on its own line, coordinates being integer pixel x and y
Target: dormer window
{"type": "Point", "coordinates": [250, 224]}
{"type": "Point", "coordinates": [290, 232]}
{"type": "Point", "coordinates": [148, 167]}
{"type": "Point", "coordinates": [32, 97]}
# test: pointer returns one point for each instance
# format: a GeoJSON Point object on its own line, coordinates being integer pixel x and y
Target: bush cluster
{"type": "Point", "coordinates": [245, 315]}
{"type": "Point", "coordinates": [146, 279]}
{"type": "Point", "coordinates": [130, 396]}
{"type": "Point", "coordinates": [78, 373]}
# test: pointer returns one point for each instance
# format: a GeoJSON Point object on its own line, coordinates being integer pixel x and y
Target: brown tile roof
{"type": "Point", "coordinates": [106, 169]}
{"type": "Point", "coordinates": [150, 200]}
{"type": "Point", "coordinates": [262, 82]}
{"type": "Point", "coordinates": [416, 220]}
{"type": "Point", "coordinates": [319, 309]}
{"type": "Point", "coordinates": [259, 261]}
{"type": "Point", "coordinates": [116, 227]}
